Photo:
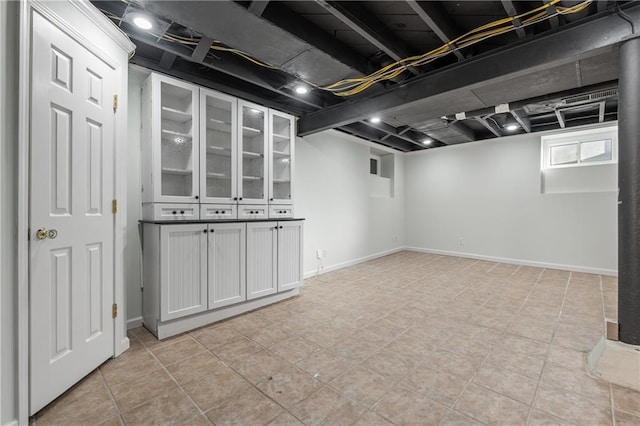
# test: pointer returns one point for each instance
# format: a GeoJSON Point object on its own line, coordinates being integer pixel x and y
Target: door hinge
{"type": "Point", "coordinates": [114, 310]}
{"type": "Point", "coordinates": [114, 206]}
{"type": "Point", "coordinates": [115, 103]}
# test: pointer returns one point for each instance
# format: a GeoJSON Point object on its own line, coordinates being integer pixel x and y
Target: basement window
{"type": "Point", "coordinates": [374, 165]}
{"type": "Point", "coordinates": [381, 173]}
{"type": "Point", "coordinates": [579, 149]}
{"type": "Point", "coordinates": [580, 161]}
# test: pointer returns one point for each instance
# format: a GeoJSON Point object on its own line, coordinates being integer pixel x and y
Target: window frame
{"type": "Point", "coordinates": [578, 138]}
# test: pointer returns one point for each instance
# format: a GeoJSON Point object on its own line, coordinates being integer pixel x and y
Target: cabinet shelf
{"type": "Point", "coordinates": [218, 125]}
{"type": "Point", "coordinates": [280, 154]}
{"type": "Point", "coordinates": [251, 178]}
{"type": "Point", "coordinates": [172, 135]}
{"type": "Point", "coordinates": [175, 115]}
{"type": "Point", "coordinates": [250, 131]}
{"type": "Point", "coordinates": [218, 150]}
{"type": "Point", "coordinates": [281, 180]}
{"type": "Point", "coordinates": [281, 138]}
{"type": "Point", "coordinates": [178, 172]}
{"type": "Point", "coordinates": [212, 175]}
{"type": "Point", "coordinates": [251, 154]}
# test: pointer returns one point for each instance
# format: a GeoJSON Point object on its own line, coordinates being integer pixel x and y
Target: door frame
{"type": "Point", "coordinates": [115, 54]}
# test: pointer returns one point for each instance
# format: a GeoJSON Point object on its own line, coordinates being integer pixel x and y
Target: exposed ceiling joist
{"type": "Point", "coordinates": [369, 27]}
{"type": "Point", "coordinates": [510, 8]}
{"type": "Point", "coordinates": [167, 60]}
{"type": "Point", "coordinates": [201, 50]}
{"type": "Point", "coordinates": [370, 133]}
{"type": "Point", "coordinates": [464, 131]}
{"type": "Point", "coordinates": [309, 32]}
{"type": "Point", "coordinates": [257, 7]}
{"type": "Point", "coordinates": [438, 21]}
{"type": "Point", "coordinates": [523, 120]}
{"type": "Point", "coordinates": [552, 12]}
{"type": "Point", "coordinates": [489, 126]}
{"type": "Point", "coordinates": [532, 55]}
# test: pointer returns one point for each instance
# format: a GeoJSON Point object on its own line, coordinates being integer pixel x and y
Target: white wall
{"type": "Point", "coordinates": [332, 193]}
{"type": "Point", "coordinates": [8, 211]}
{"type": "Point", "coordinates": [489, 194]}
{"type": "Point", "coordinates": [132, 261]}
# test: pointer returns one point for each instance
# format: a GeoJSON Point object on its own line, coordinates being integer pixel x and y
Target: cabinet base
{"type": "Point", "coordinates": [165, 329]}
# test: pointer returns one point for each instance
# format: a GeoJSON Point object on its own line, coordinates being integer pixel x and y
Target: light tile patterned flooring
{"type": "Point", "coordinates": [410, 338]}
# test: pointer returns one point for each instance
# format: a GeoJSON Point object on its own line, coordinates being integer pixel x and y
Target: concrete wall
{"type": "Point", "coordinates": [489, 194]}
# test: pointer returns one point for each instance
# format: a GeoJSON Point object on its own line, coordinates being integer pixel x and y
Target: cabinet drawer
{"type": "Point", "coordinates": [278, 211]}
{"type": "Point", "coordinates": [218, 211]}
{"type": "Point", "coordinates": [252, 212]}
{"type": "Point", "coordinates": [175, 212]}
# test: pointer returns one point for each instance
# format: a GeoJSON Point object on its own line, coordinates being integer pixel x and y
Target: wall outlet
{"type": "Point", "coordinates": [460, 241]}
{"type": "Point", "coordinates": [324, 254]}
{"type": "Point", "coordinates": [319, 254]}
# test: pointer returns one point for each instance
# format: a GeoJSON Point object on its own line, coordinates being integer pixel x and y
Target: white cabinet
{"type": "Point", "coordinates": [196, 274]}
{"type": "Point", "coordinates": [289, 254]}
{"type": "Point", "coordinates": [252, 147]}
{"type": "Point", "coordinates": [204, 147]}
{"type": "Point", "coordinates": [226, 264]}
{"type": "Point", "coordinates": [183, 270]}
{"type": "Point", "coordinates": [274, 257]}
{"type": "Point", "coordinates": [281, 146]}
{"type": "Point", "coordinates": [170, 141]}
{"type": "Point", "coordinates": [262, 240]}
{"type": "Point", "coordinates": [218, 148]}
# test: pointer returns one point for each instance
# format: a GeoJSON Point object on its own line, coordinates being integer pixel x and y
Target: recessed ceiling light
{"type": "Point", "coordinates": [142, 22]}
{"type": "Point", "coordinates": [512, 127]}
{"type": "Point", "coordinates": [375, 120]}
{"type": "Point", "coordinates": [301, 90]}
{"type": "Point", "coordinates": [427, 141]}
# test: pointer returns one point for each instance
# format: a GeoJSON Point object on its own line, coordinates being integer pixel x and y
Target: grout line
{"type": "Point", "coordinates": [544, 364]}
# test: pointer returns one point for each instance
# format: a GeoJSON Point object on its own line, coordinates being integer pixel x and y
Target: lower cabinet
{"type": "Point", "coordinates": [199, 273]}
{"type": "Point", "coordinates": [274, 257]}
{"type": "Point", "coordinates": [183, 270]}
{"type": "Point", "coordinates": [226, 264]}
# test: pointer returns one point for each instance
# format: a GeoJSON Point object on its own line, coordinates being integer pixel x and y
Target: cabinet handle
{"type": "Point", "coordinates": [235, 198]}
{"type": "Point", "coordinates": [211, 230]}
{"type": "Point", "coordinates": [270, 199]}
{"type": "Point", "coordinates": [197, 197]}
{"type": "Point", "coordinates": [240, 198]}
{"type": "Point", "coordinates": [181, 211]}
{"type": "Point", "coordinates": [281, 227]}
{"type": "Point", "coordinates": [174, 212]}
{"type": "Point", "coordinates": [205, 231]}
{"type": "Point", "coordinates": [217, 212]}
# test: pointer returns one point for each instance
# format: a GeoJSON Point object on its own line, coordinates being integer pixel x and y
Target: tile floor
{"type": "Point", "coordinates": [410, 338]}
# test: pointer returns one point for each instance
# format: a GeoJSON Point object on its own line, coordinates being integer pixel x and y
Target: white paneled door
{"type": "Point", "coordinates": [71, 222]}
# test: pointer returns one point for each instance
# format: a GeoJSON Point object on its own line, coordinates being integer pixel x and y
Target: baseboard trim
{"type": "Point", "coordinates": [573, 268]}
{"type": "Point", "coordinates": [134, 323]}
{"type": "Point", "coordinates": [352, 262]}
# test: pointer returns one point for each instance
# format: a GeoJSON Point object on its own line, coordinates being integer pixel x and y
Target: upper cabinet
{"type": "Point", "coordinates": [253, 148]}
{"type": "Point", "coordinates": [170, 136]}
{"type": "Point", "coordinates": [281, 145]}
{"type": "Point", "coordinates": [218, 148]}
{"type": "Point", "coordinates": [201, 146]}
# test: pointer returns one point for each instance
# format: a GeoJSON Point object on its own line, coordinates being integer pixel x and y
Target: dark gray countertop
{"type": "Point", "coordinates": [178, 222]}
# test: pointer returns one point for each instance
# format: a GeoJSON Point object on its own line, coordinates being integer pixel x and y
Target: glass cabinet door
{"type": "Point", "coordinates": [219, 148]}
{"type": "Point", "coordinates": [252, 155]}
{"type": "Point", "coordinates": [281, 148]}
{"type": "Point", "coordinates": [178, 142]}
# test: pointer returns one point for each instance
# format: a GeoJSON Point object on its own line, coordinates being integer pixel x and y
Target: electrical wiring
{"type": "Point", "coordinates": [352, 86]}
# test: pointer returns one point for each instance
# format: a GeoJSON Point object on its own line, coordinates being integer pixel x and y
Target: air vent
{"type": "Point", "coordinates": [591, 97]}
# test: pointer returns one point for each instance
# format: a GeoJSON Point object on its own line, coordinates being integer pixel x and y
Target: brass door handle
{"type": "Point", "coordinates": [42, 234]}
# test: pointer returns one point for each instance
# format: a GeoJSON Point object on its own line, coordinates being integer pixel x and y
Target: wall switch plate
{"type": "Point", "coordinates": [461, 241]}
{"type": "Point", "coordinates": [319, 254]}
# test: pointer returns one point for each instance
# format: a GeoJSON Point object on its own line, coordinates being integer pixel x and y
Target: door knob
{"type": "Point", "coordinates": [42, 234]}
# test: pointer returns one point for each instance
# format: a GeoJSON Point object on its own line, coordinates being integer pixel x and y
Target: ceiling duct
{"type": "Point", "coordinates": [590, 97]}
